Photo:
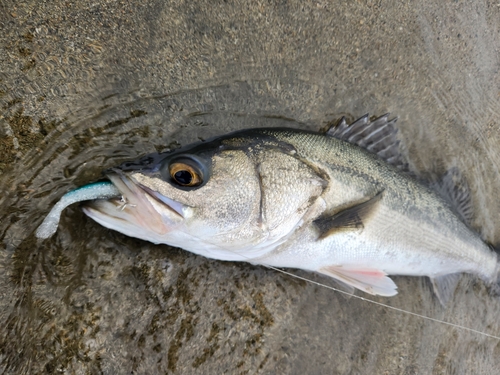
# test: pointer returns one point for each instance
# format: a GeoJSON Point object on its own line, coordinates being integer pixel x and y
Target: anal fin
{"type": "Point", "coordinates": [369, 280]}
{"type": "Point", "coordinates": [444, 286]}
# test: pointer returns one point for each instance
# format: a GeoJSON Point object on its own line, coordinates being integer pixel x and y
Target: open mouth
{"type": "Point", "coordinates": [174, 206]}
{"type": "Point", "coordinates": [140, 212]}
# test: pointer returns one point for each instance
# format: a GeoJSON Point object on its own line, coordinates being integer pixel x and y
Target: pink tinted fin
{"type": "Point", "coordinates": [368, 280]}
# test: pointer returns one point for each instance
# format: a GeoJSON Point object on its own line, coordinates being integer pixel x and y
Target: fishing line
{"type": "Point", "coordinates": [458, 326]}
{"type": "Point", "coordinates": [384, 305]}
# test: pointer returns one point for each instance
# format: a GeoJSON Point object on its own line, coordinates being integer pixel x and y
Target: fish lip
{"type": "Point", "coordinates": [172, 205]}
{"type": "Point", "coordinates": [175, 207]}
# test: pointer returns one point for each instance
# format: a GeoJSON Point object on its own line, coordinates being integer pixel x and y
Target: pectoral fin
{"type": "Point", "coordinates": [351, 218]}
{"type": "Point", "coordinates": [369, 280]}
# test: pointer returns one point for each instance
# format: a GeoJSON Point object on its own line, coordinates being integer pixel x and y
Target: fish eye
{"type": "Point", "coordinates": [186, 172]}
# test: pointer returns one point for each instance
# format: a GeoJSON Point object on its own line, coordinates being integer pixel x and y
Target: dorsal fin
{"type": "Point", "coordinates": [377, 136]}
{"type": "Point", "coordinates": [454, 188]}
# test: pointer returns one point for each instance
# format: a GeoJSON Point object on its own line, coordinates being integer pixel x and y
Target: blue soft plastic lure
{"type": "Point", "coordinates": [96, 190]}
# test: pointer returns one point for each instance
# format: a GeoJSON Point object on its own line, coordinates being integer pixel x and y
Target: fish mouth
{"type": "Point", "coordinates": [140, 212]}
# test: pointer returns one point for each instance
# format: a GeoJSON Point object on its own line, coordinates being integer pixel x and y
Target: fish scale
{"type": "Point", "coordinates": [339, 203]}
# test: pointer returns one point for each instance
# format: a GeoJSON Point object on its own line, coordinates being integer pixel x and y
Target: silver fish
{"type": "Point", "coordinates": [336, 203]}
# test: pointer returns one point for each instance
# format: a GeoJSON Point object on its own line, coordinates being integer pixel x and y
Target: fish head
{"type": "Point", "coordinates": [234, 198]}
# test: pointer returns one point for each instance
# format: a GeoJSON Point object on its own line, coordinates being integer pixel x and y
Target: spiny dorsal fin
{"type": "Point", "coordinates": [454, 188]}
{"type": "Point", "coordinates": [351, 218]}
{"type": "Point", "coordinates": [377, 136]}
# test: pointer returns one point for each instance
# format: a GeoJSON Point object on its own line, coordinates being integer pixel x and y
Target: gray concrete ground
{"type": "Point", "coordinates": [86, 85]}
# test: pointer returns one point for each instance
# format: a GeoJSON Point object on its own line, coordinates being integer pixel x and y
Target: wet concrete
{"type": "Point", "coordinates": [86, 86]}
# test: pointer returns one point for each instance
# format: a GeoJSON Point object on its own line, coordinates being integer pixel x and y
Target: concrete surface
{"type": "Point", "coordinates": [87, 85]}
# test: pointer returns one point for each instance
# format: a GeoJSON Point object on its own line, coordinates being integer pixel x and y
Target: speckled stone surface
{"type": "Point", "coordinates": [86, 85]}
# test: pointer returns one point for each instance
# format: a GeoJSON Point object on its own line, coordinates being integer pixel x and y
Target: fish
{"type": "Point", "coordinates": [340, 203]}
